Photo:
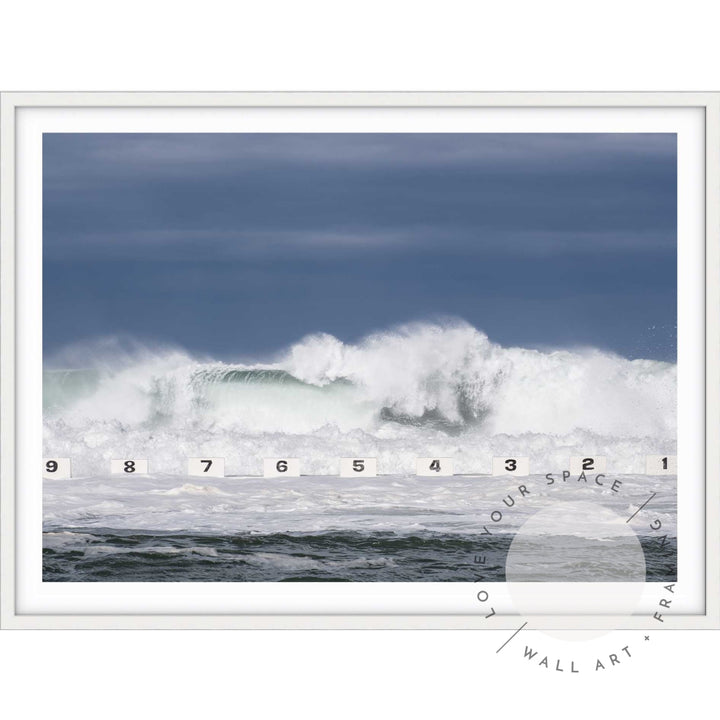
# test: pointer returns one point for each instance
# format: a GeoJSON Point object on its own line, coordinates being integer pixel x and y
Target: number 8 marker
{"type": "Point", "coordinates": [129, 467]}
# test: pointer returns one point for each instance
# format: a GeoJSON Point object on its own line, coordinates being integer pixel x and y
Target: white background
{"type": "Point", "coordinates": [350, 46]}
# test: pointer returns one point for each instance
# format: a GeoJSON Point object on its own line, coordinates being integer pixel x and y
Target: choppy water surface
{"type": "Point", "coordinates": [390, 529]}
{"type": "Point", "coordinates": [420, 390]}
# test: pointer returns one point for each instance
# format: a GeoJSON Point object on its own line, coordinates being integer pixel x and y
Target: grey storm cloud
{"type": "Point", "coordinates": [352, 191]}
{"type": "Point", "coordinates": [532, 237]}
{"type": "Point", "coordinates": [160, 153]}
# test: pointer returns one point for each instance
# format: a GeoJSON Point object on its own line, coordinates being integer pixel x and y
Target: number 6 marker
{"type": "Point", "coordinates": [281, 467]}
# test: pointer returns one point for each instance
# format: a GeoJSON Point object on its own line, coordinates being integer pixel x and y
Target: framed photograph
{"type": "Point", "coordinates": [360, 360]}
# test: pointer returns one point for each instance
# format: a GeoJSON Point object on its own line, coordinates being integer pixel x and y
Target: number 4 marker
{"type": "Point", "coordinates": [432, 467]}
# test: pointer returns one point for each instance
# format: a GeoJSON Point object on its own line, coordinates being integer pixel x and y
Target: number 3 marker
{"type": "Point", "coordinates": [518, 466]}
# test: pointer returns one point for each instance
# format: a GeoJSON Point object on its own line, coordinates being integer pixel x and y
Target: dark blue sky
{"type": "Point", "coordinates": [236, 245]}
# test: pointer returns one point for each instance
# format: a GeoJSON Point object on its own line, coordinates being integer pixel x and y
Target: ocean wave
{"type": "Point", "coordinates": [415, 390]}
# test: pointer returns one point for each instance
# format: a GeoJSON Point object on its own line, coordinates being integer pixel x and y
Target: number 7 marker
{"type": "Point", "coordinates": [206, 467]}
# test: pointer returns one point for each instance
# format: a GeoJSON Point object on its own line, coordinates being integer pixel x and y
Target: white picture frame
{"type": "Point", "coordinates": [23, 118]}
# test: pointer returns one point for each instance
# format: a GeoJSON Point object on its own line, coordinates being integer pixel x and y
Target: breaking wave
{"type": "Point", "coordinates": [415, 390]}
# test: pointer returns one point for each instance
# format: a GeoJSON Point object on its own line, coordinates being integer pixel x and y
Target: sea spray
{"type": "Point", "coordinates": [416, 390]}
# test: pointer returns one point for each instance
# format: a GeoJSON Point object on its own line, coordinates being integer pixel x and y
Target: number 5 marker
{"type": "Point", "coordinates": [358, 467]}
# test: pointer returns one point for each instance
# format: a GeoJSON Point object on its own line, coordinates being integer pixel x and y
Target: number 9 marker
{"type": "Point", "coordinates": [56, 468]}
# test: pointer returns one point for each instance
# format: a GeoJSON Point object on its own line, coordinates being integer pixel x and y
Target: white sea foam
{"type": "Point", "coordinates": [399, 504]}
{"type": "Point", "coordinates": [415, 391]}
{"type": "Point", "coordinates": [190, 489]}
